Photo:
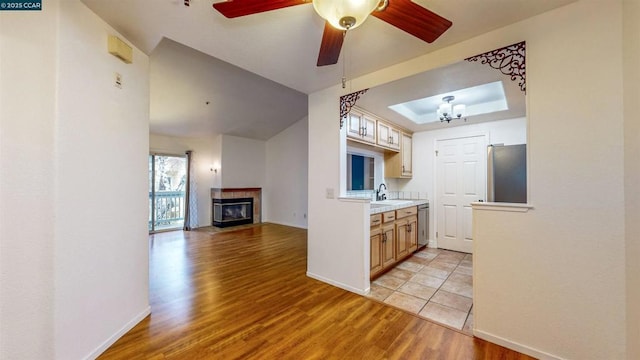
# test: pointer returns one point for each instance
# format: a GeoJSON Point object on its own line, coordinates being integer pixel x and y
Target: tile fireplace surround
{"type": "Point", "coordinates": [238, 193]}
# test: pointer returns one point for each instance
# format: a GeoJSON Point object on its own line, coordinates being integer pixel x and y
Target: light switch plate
{"type": "Point", "coordinates": [330, 194]}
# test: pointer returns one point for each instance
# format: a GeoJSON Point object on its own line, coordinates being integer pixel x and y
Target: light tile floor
{"type": "Point", "coordinates": [434, 284]}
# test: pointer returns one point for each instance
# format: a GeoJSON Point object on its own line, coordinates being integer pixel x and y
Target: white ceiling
{"type": "Point", "coordinates": [457, 79]}
{"type": "Point", "coordinates": [194, 94]}
{"type": "Point", "coordinates": [281, 46]}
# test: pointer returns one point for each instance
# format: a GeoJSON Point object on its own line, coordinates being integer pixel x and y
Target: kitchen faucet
{"type": "Point", "coordinates": [383, 196]}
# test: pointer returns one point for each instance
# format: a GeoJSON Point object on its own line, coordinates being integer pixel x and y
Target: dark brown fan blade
{"type": "Point", "coordinates": [331, 45]}
{"type": "Point", "coordinates": [236, 8]}
{"type": "Point", "coordinates": [414, 19]}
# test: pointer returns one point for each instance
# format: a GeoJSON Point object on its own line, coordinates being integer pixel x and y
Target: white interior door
{"type": "Point", "coordinates": [460, 179]}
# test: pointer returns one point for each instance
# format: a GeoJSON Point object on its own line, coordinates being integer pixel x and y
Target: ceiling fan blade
{"type": "Point", "coordinates": [237, 8]}
{"type": "Point", "coordinates": [414, 19]}
{"type": "Point", "coordinates": [331, 45]}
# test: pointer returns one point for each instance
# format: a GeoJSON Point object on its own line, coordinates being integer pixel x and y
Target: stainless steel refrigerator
{"type": "Point", "coordinates": [507, 173]}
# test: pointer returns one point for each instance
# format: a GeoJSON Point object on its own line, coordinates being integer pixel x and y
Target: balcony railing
{"type": "Point", "coordinates": [168, 210]}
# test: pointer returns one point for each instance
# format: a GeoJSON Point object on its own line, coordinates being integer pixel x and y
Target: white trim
{"type": "Point", "coordinates": [515, 346]}
{"type": "Point", "coordinates": [298, 226]}
{"type": "Point", "coordinates": [113, 338]}
{"type": "Point", "coordinates": [494, 206]}
{"type": "Point", "coordinates": [337, 284]}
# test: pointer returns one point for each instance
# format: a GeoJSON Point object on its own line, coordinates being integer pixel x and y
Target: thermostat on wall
{"type": "Point", "coordinates": [120, 49]}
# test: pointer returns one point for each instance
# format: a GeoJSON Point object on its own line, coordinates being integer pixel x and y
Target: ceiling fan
{"type": "Point", "coordinates": [343, 15]}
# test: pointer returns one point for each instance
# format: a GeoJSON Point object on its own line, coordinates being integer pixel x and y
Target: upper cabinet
{"type": "Point", "coordinates": [388, 136]}
{"type": "Point", "coordinates": [400, 165]}
{"type": "Point", "coordinates": [361, 127]}
{"type": "Point", "coordinates": [396, 142]}
{"type": "Point", "coordinates": [407, 155]}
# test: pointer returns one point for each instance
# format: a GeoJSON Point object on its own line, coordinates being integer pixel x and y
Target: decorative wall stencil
{"type": "Point", "coordinates": [347, 102]}
{"type": "Point", "coordinates": [510, 60]}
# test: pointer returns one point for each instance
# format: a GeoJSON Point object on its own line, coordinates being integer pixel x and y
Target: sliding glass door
{"type": "Point", "coordinates": [167, 182]}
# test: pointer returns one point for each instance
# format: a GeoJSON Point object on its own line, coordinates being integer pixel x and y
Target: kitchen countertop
{"type": "Point", "coordinates": [389, 205]}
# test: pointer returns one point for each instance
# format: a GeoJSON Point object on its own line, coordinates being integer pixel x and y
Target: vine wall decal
{"type": "Point", "coordinates": [510, 60]}
{"type": "Point", "coordinates": [347, 102]}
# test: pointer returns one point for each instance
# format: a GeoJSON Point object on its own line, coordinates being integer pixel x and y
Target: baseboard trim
{"type": "Point", "coordinates": [515, 346]}
{"type": "Point", "coordinates": [337, 284]}
{"type": "Point", "coordinates": [113, 338]}
{"type": "Point", "coordinates": [285, 224]}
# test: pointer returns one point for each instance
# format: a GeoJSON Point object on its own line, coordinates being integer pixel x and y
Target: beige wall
{"type": "Point", "coordinates": [27, 126]}
{"type": "Point", "coordinates": [631, 20]}
{"type": "Point", "coordinates": [549, 282]}
{"type": "Point", "coordinates": [285, 198]}
{"type": "Point", "coordinates": [74, 243]}
{"type": "Point", "coordinates": [101, 245]}
{"type": "Point", "coordinates": [243, 162]}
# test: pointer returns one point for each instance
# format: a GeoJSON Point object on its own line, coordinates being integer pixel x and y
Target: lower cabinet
{"type": "Point", "coordinates": [383, 242]}
{"type": "Point", "coordinates": [393, 236]}
{"type": "Point", "coordinates": [376, 250]}
{"type": "Point", "coordinates": [388, 245]}
{"type": "Point", "coordinates": [407, 237]}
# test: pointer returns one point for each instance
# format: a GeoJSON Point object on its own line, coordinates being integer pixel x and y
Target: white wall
{"type": "Point", "coordinates": [243, 162]}
{"type": "Point", "coordinates": [285, 198]}
{"type": "Point", "coordinates": [338, 230]}
{"type": "Point", "coordinates": [571, 245]}
{"type": "Point", "coordinates": [74, 248]}
{"type": "Point", "coordinates": [205, 155]}
{"type": "Point", "coordinates": [27, 126]}
{"type": "Point", "coordinates": [548, 268]}
{"type": "Point", "coordinates": [631, 11]}
{"type": "Point", "coordinates": [101, 185]}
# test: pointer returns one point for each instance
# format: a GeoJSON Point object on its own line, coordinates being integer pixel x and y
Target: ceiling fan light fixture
{"type": "Point", "coordinates": [345, 14]}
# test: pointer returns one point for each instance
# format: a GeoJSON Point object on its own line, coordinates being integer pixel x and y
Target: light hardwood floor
{"type": "Point", "coordinates": [244, 295]}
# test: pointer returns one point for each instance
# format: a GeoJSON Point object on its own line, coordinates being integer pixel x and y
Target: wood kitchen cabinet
{"type": "Point", "coordinates": [406, 232]}
{"type": "Point", "coordinates": [383, 242]}
{"type": "Point", "coordinates": [361, 127]}
{"type": "Point", "coordinates": [388, 136]}
{"type": "Point", "coordinates": [393, 236]}
{"type": "Point", "coordinates": [400, 165]}
{"type": "Point", "coordinates": [376, 250]}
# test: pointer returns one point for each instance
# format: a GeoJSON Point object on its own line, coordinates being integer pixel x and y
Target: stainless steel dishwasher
{"type": "Point", "coordinates": [423, 225]}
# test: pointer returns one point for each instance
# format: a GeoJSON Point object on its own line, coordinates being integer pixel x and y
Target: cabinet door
{"type": "Point", "coordinates": [394, 136]}
{"type": "Point", "coordinates": [388, 246]}
{"type": "Point", "coordinates": [401, 239]}
{"type": "Point", "coordinates": [376, 251]}
{"type": "Point", "coordinates": [384, 134]}
{"type": "Point", "coordinates": [354, 127]}
{"type": "Point", "coordinates": [406, 155]}
{"type": "Point", "coordinates": [369, 126]}
{"type": "Point", "coordinates": [412, 234]}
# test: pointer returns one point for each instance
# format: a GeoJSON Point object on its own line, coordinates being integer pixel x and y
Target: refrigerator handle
{"type": "Point", "coordinates": [490, 192]}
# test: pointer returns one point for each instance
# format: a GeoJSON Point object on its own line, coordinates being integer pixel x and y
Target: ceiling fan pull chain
{"type": "Point", "coordinates": [344, 62]}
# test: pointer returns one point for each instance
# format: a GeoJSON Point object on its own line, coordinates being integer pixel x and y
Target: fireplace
{"type": "Point", "coordinates": [231, 212]}
{"type": "Point", "coordinates": [236, 206]}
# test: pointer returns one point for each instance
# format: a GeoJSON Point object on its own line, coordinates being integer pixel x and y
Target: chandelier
{"type": "Point", "coordinates": [447, 111]}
